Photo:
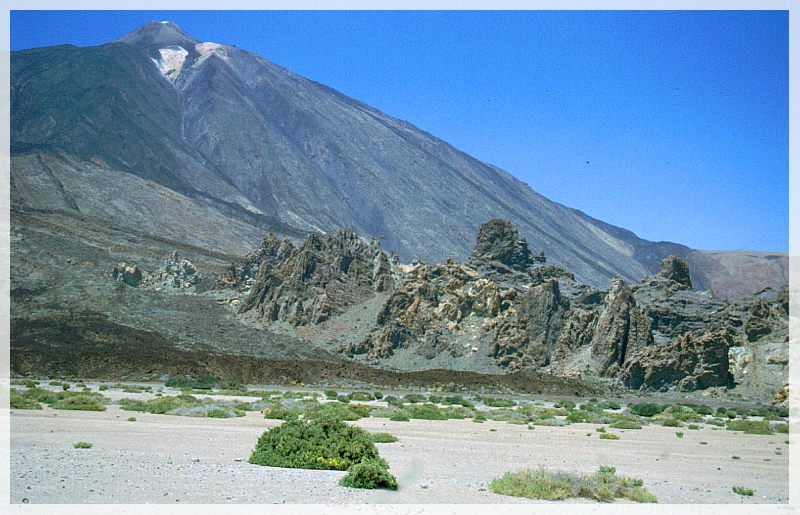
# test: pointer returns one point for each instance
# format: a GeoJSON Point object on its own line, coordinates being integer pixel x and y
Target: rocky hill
{"type": "Point", "coordinates": [175, 138]}
{"type": "Point", "coordinates": [507, 309]}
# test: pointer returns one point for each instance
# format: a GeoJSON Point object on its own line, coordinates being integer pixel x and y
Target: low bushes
{"type": "Point", "coordinates": [751, 427]}
{"type": "Point", "coordinates": [369, 474]}
{"type": "Point", "coordinates": [626, 424]}
{"type": "Point", "coordinates": [603, 485]}
{"type": "Point", "coordinates": [382, 438]}
{"type": "Point", "coordinates": [58, 400]}
{"type": "Point", "coordinates": [325, 443]}
{"type": "Point", "coordinates": [646, 409]}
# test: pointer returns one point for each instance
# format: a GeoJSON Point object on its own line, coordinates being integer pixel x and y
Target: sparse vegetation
{"type": "Point", "coordinates": [20, 401]}
{"type": "Point", "coordinates": [751, 427]}
{"type": "Point", "coordinates": [382, 438]}
{"type": "Point", "coordinates": [609, 436]}
{"type": "Point", "coordinates": [679, 434]}
{"type": "Point", "coordinates": [82, 445]}
{"type": "Point", "coordinates": [131, 419]}
{"type": "Point", "coordinates": [734, 457]}
{"type": "Point", "coordinates": [603, 485]}
{"type": "Point", "coordinates": [625, 424]}
{"type": "Point", "coordinates": [743, 491]}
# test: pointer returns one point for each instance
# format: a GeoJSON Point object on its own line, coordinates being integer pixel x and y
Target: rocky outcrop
{"type": "Point", "coordinates": [675, 270]}
{"type": "Point", "coordinates": [689, 363]}
{"type": "Point", "coordinates": [176, 272]}
{"type": "Point", "coordinates": [319, 279]}
{"type": "Point", "coordinates": [510, 310]}
{"type": "Point", "coordinates": [499, 242]}
{"type": "Point", "coordinates": [621, 330]}
{"type": "Point", "coordinates": [130, 275]}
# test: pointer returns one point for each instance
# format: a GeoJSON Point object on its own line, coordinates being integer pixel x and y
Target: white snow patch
{"type": "Point", "coordinates": [206, 49]}
{"type": "Point", "coordinates": [171, 61]}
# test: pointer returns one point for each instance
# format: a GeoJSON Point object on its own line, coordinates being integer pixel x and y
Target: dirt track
{"type": "Point", "coordinates": [171, 459]}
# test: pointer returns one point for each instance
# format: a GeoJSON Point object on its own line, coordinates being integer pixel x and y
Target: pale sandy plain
{"type": "Point", "coordinates": [172, 459]}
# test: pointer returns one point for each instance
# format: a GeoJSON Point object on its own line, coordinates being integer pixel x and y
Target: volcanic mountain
{"type": "Point", "coordinates": [171, 139]}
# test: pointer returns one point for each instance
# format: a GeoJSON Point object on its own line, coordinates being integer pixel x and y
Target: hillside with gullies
{"type": "Point", "coordinates": [175, 138]}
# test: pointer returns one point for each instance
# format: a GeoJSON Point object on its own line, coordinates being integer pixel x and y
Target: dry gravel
{"type": "Point", "coordinates": [170, 459]}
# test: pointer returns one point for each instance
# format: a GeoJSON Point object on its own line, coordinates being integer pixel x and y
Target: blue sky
{"type": "Point", "coordinates": [673, 124]}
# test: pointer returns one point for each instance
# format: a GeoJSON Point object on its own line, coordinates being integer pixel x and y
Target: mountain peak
{"type": "Point", "coordinates": [158, 33]}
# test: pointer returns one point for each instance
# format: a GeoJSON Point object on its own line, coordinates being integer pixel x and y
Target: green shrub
{"type": "Point", "coordinates": [646, 409]}
{"type": "Point", "coordinates": [564, 405]}
{"type": "Point", "coordinates": [382, 438]}
{"type": "Point", "coordinates": [200, 383]}
{"type": "Point", "coordinates": [131, 419]}
{"type": "Point", "coordinates": [670, 422]}
{"type": "Point", "coordinates": [577, 416]}
{"type": "Point", "coordinates": [600, 429]}
{"type": "Point", "coordinates": [781, 428]}
{"type": "Point", "coordinates": [610, 405]}
{"type": "Point", "coordinates": [343, 398]}
{"type": "Point", "coordinates": [609, 436]}
{"type": "Point", "coordinates": [414, 398]}
{"type": "Point", "coordinates": [625, 424]}
{"type": "Point", "coordinates": [400, 416]}
{"type": "Point", "coordinates": [31, 384]}
{"type": "Point", "coordinates": [499, 403]}
{"type": "Point", "coordinates": [80, 403]}
{"type": "Point", "coordinates": [679, 434]}
{"type": "Point", "coordinates": [377, 395]}
{"type": "Point", "coordinates": [160, 405]}
{"type": "Point", "coordinates": [743, 491]}
{"type": "Point", "coordinates": [326, 443]}
{"type": "Point", "coordinates": [603, 485]}
{"type": "Point", "coordinates": [219, 413]}
{"type": "Point", "coordinates": [694, 427]}
{"type": "Point", "coordinates": [734, 457]}
{"type": "Point", "coordinates": [368, 474]}
{"type": "Point", "coordinates": [82, 445]}
{"type": "Point", "coordinates": [341, 411]}
{"type": "Point", "coordinates": [751, 427]}
{"type": "Point", "coordinates": [19, 401]}
{"type": "Point", "coordinates": [331, 394]}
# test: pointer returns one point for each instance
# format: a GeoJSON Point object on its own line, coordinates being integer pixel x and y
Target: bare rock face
{"type": "Point", "coordinates": [499, 242]}
{"type": "Point", "coordinates": [621, 329]}
{"type": "Point", "coordinates": [320, 278]}
{"type": "Point", "coordinates": [689, 362]}
{"type": "Point", "coordinates": [126, 274]}
{"type": "Point", "coordinates": [676, 270]}
{"type": "Point", "coordinates": [176, 272]}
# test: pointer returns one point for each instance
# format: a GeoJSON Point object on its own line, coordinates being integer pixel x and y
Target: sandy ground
{"type": "Point", "coordinates": [170, 459]}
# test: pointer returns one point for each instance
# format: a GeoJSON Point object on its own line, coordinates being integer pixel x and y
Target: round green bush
{"type": "Point", "coordinates": [646, 409]}
{"type": "Point", "coordinates": [326, 443]}
{"type": "Point", "coordinates": [369, 474]}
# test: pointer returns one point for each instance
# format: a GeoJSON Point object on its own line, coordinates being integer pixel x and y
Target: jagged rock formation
{"type": "Point", "coordinates": [176, 272]}
{"type": "Point", "coordinates": [512, 309]}
{"type": "Point", "coordinates": [126, 274]}
{"type": "Point", "coordinates": [499, 242]}
{"type": "Point", "coordinates": [316, 280]}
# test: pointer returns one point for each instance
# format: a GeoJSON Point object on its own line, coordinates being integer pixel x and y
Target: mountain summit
{"type": "Point", "coordinates": [158, 34]}
{"type": "Point", "coordinates": [213, 146]}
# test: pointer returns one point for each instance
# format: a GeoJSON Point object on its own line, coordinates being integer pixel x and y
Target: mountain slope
{"type": "Point", "coordinates": [257, 144]}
